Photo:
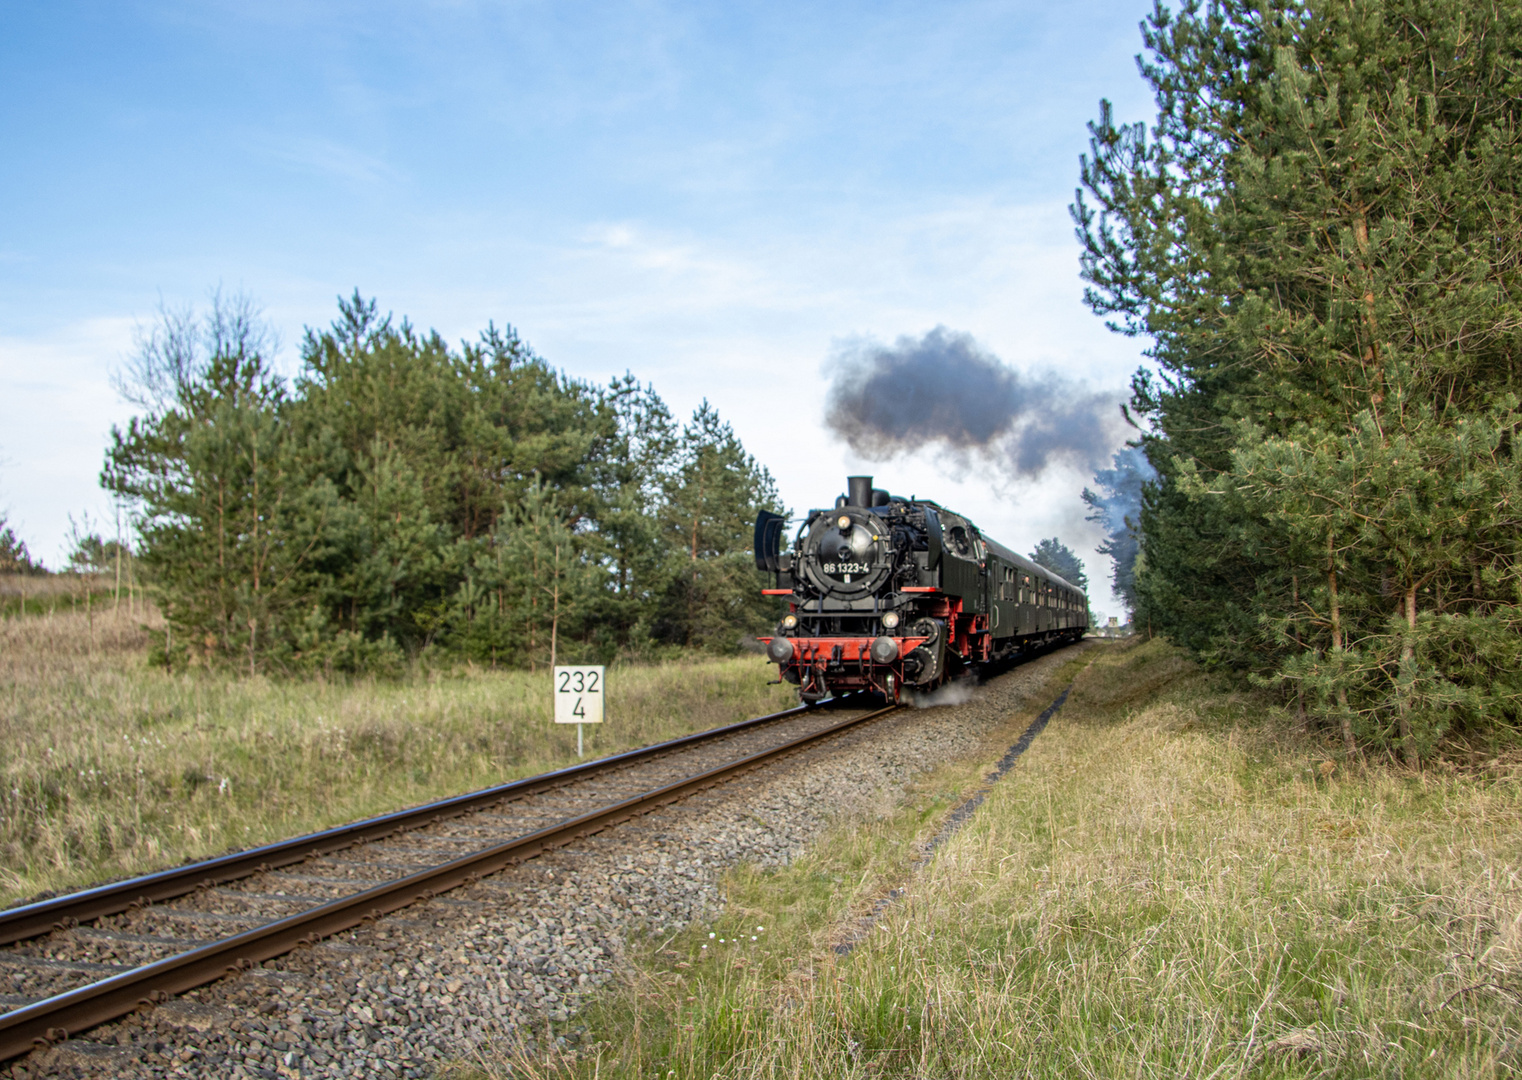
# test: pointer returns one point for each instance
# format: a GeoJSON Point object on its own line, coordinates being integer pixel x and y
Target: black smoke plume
{"type": "Point", "coordinates": [944, 392]}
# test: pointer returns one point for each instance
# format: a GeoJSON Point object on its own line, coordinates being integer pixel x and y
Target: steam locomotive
{"type": "Point", "coordinates": [887, 593]}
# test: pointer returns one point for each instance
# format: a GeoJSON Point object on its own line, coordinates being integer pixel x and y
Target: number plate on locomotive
{"type": "Point", "coordinates": [847, 568]}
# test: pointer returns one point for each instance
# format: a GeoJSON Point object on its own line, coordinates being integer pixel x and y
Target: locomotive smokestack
{"type": "Point", "coordinates": [860, 491]}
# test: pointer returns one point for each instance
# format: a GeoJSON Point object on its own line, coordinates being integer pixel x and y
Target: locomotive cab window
{"type": "Point", "coordinates": [957, 540]}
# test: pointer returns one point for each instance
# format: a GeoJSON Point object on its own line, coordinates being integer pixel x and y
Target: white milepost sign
{"type": "Point", "coordinates": [578, 697]}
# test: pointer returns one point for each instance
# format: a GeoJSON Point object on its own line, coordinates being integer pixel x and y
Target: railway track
{"type": "Point", "coordinates": [76, 961]}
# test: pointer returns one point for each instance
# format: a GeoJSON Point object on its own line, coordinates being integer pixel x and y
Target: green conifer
{"type": "Point", "coordinates": [1320, 235]}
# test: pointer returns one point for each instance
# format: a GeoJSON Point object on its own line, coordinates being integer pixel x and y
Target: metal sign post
{"type": "Point", "coordinates": [579, 691]}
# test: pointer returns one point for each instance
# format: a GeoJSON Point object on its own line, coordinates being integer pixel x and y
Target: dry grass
{"type": "Point", "coordinates": [111, 768]}
{"type": "Point", "coordinates": [50, 594]}
{"type": "Point", "coordinates": [1169, 883]}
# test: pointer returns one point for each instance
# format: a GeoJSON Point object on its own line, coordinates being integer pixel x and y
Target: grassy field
{"type": "Point", "coordinates": [50, 594]}
{"type": "Point", "coordinates": [1170, 882]}
{"type": "Point", "coordinates": [109, 767]}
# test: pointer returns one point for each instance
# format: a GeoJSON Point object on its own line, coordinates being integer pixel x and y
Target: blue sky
{"type": "Point", "coordinates": [711, 196]}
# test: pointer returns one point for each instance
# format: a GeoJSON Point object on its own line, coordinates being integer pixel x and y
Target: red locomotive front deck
{"type": "Point", "coordinates": [846, 663]}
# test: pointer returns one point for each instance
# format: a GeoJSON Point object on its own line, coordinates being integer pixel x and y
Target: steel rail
{"type": "Point", "coordinates": [53, 1019]}
{"type": "Point", "coordinates": [62, 912]}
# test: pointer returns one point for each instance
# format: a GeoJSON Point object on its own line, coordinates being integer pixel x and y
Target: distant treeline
{"type": "Point", "coordinates": [96, 568]}
{"type": "Point", "coordinates": [14, 556]}
{"type": "Point", "coordinates": [401, 498]}
{"type": "Point", "coordinates": [1321, 234]}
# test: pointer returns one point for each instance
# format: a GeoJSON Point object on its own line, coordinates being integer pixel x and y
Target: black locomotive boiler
{"type": "Point", "coordinates": [886, 593]}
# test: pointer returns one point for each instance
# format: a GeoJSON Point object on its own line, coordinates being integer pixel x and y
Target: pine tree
{"type": "Point", "coordinates": [209, 470]}
{"type": "Point", "coordinates": [635, 475]}
{"type": "Point", "coordinates": [1321, 236]}
{"type": "Point", "coordinates": [403, 498]}
{"type": "Point", "coordinates": [555, 581]}
{"type": "Point", "coordinates": [1062, 561]}
{"type": "Point", "coordinates": [713, 591]}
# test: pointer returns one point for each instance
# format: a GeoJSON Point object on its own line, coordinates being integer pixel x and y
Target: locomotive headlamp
{"type": "Point", "coordinates": [789, 621]}
{"type": "Point", "coordinates": [844, 522]}
{"type": "Point", "coordinates": [890, 620]}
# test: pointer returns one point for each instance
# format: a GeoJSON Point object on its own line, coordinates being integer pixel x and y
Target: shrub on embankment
{"type": "Point", "coordinates": [400, 496]}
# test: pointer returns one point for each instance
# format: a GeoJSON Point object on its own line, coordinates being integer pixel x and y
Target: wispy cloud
{"type": "Point", "coordinates": [326, 157]}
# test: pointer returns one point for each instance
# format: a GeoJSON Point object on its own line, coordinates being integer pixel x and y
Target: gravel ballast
{"type": "Point", "coordinates": [513, 956]}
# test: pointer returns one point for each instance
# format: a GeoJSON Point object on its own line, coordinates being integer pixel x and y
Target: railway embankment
{"type": "Point", "coordinates": [1167, 878]}
{"type": "Point", "coordinates": [110, 767]}
{"type": "Point", "coordinates": [1171, 880]}
{"type": "Point", "coordinates": [509, 958]}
